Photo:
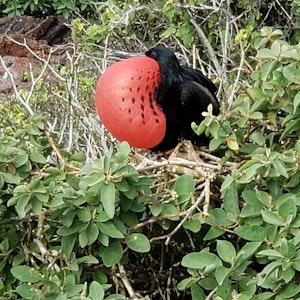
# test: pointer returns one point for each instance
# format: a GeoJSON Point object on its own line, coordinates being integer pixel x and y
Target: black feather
{"type": "Point", "coordinates": [183, 94]}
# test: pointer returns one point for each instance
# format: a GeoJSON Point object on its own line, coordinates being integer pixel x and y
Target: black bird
{"type": "Point", "coordinates": [183, 94]}
{"type": "Point", "coordinates": [151, 101]}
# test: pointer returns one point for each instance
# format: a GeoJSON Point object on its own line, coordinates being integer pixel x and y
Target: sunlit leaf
{"type": "Point", "coordinates": [138, 242]}
{"type": "Point", "coordinates": [96, 291]}
{"type": "Point", "coordinates": [251, 233]}
{"type": "Point", "coordinates": [26, 274]}
{"type": "Point", "coordinates": [108, 195]}
{"type": "Point", "coordinates": [185, 187]}
{"type": "Point", "coordinates": [112, 254]}
{"type": "Point", "coordinates": [226, 251]}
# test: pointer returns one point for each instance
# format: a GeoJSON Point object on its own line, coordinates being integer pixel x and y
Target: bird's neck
{"type": "Point", "coordinates": [170, 76]}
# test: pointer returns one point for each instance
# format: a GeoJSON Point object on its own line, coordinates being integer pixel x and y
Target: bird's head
{"type": "Point", "coordinates": [166, 59]}
{"type": "Point", "coordinates": [170, 69]}
{"type": "Point", "coordinates": [162, 54]}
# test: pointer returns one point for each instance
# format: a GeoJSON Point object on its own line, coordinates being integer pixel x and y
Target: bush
{"type": "Point", "coordinates": [82, 219]}
{"type": "Point", "coordinates": [64, 222]}
{"type": "Point", "coordinates": [256, 254]}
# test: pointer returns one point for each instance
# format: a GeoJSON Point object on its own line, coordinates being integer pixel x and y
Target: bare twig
{"type": "Point", "coordinates": [237, 80]}
{"type": "Point", "coordinates": [133, 295]}
{"type": "Point", "coordinates": [19, 97]}
{"type": "Point", "coordinates": [54, 147]}
{"type": "Point", "coordinates": [208, 47]}
{"type": "Point", "coordinates": [35, 55]}
{"type": "Point", "coordinates": [46, 255]}
{"type": "Point", "coordinates": [187, 214]}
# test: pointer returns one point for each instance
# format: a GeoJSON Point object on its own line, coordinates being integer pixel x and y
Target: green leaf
{"type": "Point", "coordinates": [231, 202]}
{"type": "Point", "coordinates": [92, 233]}
{"type": "Point", "coordinates": [68, 217]}
{"type": "Point", "coordinates": [156, 209]}
{"type": "Point", "coordinates": [138, 242]}
{"type": "Point", "coordinates": [11, 178]}
{"type": "Point", "coordinates": [112, 254]}
{"type": "Point", "coordinates": [109, 229]}
{"type": "Point", "coordinates": [251, 211]}
{"type": "Point", "coordinates": [288, 274]}
{"type": "Point", "coordinates": [221, 274]}
{"type": "Point", "coordinates": [260, 98]}
{"type": "Point", "coordinates": [67, 244]}
{"type": "Point", "coordinates": [213, 233]}
{"type": "Point", "coordinates": [84, 214]}
{"type": "Point", "coordinates": [169, 209]}
{"type": "Point", "coordinates": [186, 283]}
{"type": "Point", "coordinates": [287, 208]}
{"type": "Point", "coordinates": [265, 54]}
{"type": "Point", "coordinates": [232, 142]}
{"type": "Point", "coordinates": [250, 196]}
{"type": "Point", "coordinates": [257, 115]}
{"type": "Point", "coordinates": [272, 218]}
{"type": "Point", "coordinates": [214, 129]}
{"type": "Point", "coordinates": [215, 143]}
{"type": "Point", "coordinates": [26, 274]}
{"type": "Point", "coordinates": [265, 273]}
{"type": "Point", "coordinates": [75, 227]}
{"type": "Point", "coordinates": [96, 291]}
{"type": "Point", "coordinates": [292, 74]}
{"type": "Point", "coordinates": [204, 261]}
{"type": "Point", "coordinates": [264, 296]}
{"type": "Point", "coordinates": [20, 160]}
{"type": "Point", "coordinates": [123, 150]}
{"type": "Point", "coordinates": [83, 239]}
{"type": "Point", "coordinates": [258, 138]}
{"type": "Point", "coordinates": [108, 198]}
{"type": "Point", "coordinates": [219, 217]}
{"type": "Point", "coordinates": [185, 187]}
{"type": "Point", "coordinates": [249, 170]}
{"type": "Point", "coordinates": [88, 259]}
{"type": "Point", "coordinates": [36, 206]}
{"type": "Point", "coordinates": [168, 32]}
{"type": "Point", "coordinates": [296, 102]}
{"type": "Point", "coordinates": [103, 239]}
{"type": "Point", "coordinates": [226, 251]}
{"type": "Point", "coordinates": [95, 178]}
{"type": "Point", "coordinates": [42, 197]}
{"type": "Point", "coordinates": [192, 225]}
{"type": "Point", "coordinates": [268, 68]}
{"type": "Point", "coordinates": [22, 204]}
{"type": "Point", "coordinates": [248, 250]}
{"type": "Point", "coordinates": [37, 157]}
{"type": "Point", "coordinates": [270, 253]}
{"type": "Point", "coordinates": [26, 291]}
{"type": "Point", "coordinates": [197, 292]}
{"type": "Point", "coordinates": [288, 291]}
{"type": "Point", "coordinates": [116, 297]}
{"type": "Point", "coordinates": [264, 198]}
{"type": "Point", "coordinates": [251, 233]}
{"type": "Point", "coordinates": [199, 129]}
{"type": "Point", "coordinates": [227, 183]}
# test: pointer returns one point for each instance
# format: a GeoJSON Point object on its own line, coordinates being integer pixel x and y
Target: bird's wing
{"type": "Point", "coordinates": [195, 97]}
{"type": "Point", "coordinates": [197, 76]}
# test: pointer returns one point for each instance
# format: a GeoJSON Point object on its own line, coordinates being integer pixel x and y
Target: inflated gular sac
{"type": "Point", "coordinates": [125, 102]}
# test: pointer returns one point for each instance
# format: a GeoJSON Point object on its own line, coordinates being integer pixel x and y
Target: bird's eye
{"type": "Point", "coordinates": [153, 54]}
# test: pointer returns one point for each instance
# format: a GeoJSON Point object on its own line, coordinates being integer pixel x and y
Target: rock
{"type": "Point", "coordinates": [19, 33]}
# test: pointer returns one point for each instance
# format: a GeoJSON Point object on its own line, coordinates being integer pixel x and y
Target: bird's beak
{"type": "Point", "coordinates": [122, 54]}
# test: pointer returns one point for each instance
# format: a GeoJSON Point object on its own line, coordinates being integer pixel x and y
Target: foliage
{"type": "Point", "coordinates": [65, 222]}
{"type": "Point", "coordinates": [64, 219]}
{"type": "Point", "coordinates": [81, 217]}
{"type": "Point", "coordinates": [45, 7]}
{"type": "Point", "coordinates": [261, 198]}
